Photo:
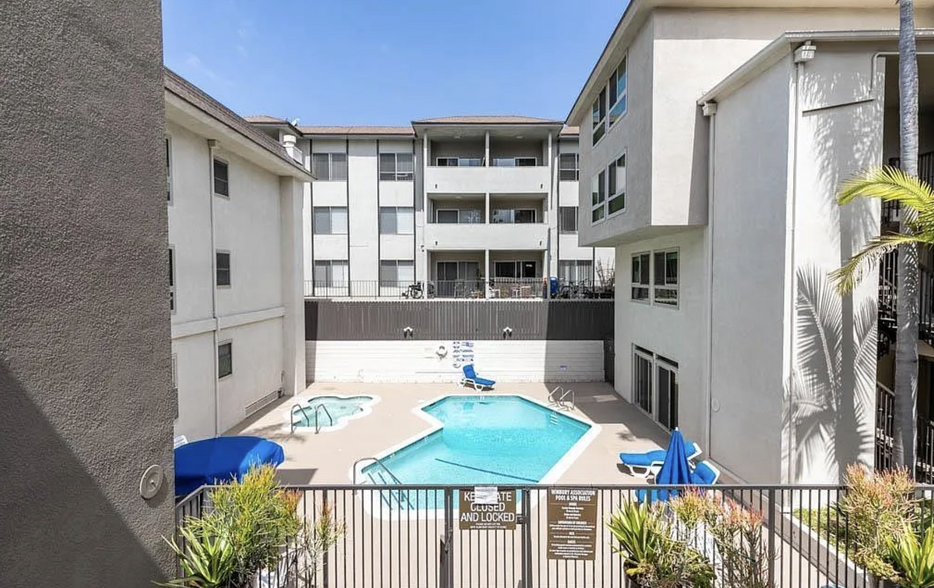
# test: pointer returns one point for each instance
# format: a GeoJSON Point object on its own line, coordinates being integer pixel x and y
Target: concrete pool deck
{"type": "Point", "coordinates": [327, 457]}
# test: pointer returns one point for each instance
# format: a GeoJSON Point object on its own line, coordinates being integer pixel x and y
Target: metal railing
{"type": "Point", "coordinates": [301, 408]}
{"type": "Point", "coordinates": [885, 438]}
{"type": "Point", "coordinates": [498, 288]}
{"type": "Point", "coordinates": [432, 540]}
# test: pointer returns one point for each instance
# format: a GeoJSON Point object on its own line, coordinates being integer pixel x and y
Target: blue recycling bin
{"type": "Point", "coordinates": [553, 287]}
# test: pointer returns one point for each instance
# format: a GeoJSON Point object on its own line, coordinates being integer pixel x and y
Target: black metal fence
{"type": "Point", "coordinates": [885, 438]}
{"type": "Point", "coordinates": [407, 536]}
{"type": "Point", "coordinates": [495, 288]}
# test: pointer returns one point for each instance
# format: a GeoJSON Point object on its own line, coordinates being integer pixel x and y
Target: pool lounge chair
{"type": "Point", "coordinates": [705, 473]}
{"type": "Point", "coordinates": [471, 379]}
{"type": "Point", "coordinates": [646, 465]}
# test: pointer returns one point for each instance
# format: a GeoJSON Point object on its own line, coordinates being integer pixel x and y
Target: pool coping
{"type": "Point", "coordinates": [550, 477]}
{"type": "Point", "coordinates": [342, 423]}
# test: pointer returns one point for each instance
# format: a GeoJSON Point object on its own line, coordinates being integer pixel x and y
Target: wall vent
{"type": "Point", "coordinates": [263, 402]}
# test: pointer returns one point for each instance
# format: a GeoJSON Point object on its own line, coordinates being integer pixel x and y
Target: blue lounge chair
{"type": "Point", "coordinates": [471, 379]}
{"type": "Point", "coordinates": [705, 474]}
{"type": "Point", "coordinates": [646, 465]}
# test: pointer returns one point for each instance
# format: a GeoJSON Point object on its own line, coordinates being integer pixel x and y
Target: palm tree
{"type": "Point", "coordinates": [915, 199]}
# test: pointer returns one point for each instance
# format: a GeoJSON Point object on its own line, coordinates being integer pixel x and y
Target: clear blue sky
{"type": "Point", "coordinates": [353, 62]}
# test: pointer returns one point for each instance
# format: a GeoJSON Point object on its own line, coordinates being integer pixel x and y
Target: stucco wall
{"type": "Point", "coordinates": [85, 363]}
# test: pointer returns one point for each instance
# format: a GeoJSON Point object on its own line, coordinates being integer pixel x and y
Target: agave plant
{"type": "Point", "coordinates": [206, 561]}
{"type": "Point", "coordinates": [913, 558]}
{"type": "Point", "coordinates": [636, 528]}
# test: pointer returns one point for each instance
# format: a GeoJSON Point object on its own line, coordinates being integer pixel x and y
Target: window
{"type": "Point", "coordinates": [168, 168]}
{"type": "Point", "coordinates": [172, 279]}
{"type": "Point", "coordinates": [396, 167]}
{"type": "Point", "coordinates": [599, 116]}
{"type": "Point", "coordinates": [617, 188]}
{"type": "Point", "coordinates": [640, 276]}
{"type": "Point", "coordinates": [396, 273]}
{"type": "Point", "coordinates": [221, 178]}
{"type": "Point", "coordinates": [515, 269]}
{"type": "Point", "coordinates": [396, 220]}
{"type": "Point", "coordinates": [224, 360]}
{"type": "Point", "coordinates": [655, 386]}
{"type": "Point", "coordinates": [575, 271]}
{"type": "Point", "coordinates": [618, 93]}
{"type": "Point", "coordinates": [515, 162]}
{"type": "Point", "coordinates": [223, 268]}
{"type": "Point", "coordinates": [568, 167]}
{"type": "Point", "coordinates": [567, 220]}
{"type": "Point", "coordinates": [514, 215]}
{"type": "Point", "coordinates": [330, 220]}
{"type": "Point", "coordinates": [642, 361]}
{"type": "Point", "coordinates": [331, 273]}
{"type": "Point", "coordinates": [458, 279]}
{"type": "Point", "coordinates": [459, 161]}
{"type": "Point", "coordinates": [453, 216]}
{"type": "Point", "coordinates": [667, 382]}
{"type": "Point", "coordinates": [329, 167]}
{"type": "Point", "coordinates": [598, 197]}
{"type": "Point", "coordinates": [666, 278]}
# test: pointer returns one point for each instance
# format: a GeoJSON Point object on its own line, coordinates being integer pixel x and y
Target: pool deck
{"type": "Point", "coordinates": [327, 457]}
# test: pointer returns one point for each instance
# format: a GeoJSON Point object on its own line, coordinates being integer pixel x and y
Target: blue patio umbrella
{"type": "Point", "coordinates": [675, 469]}
{"type": "Point", "coordinates": [221, 459]}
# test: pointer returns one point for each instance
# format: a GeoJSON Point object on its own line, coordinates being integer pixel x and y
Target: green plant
{"type": "Point", "coordinates": [913, 558]}
{"type": "Point", "coordinates": [878, 508]}
{"type": "Point", "coordinates": [325, 533]}
{"type": "Point", "coordinates": [206, 561]}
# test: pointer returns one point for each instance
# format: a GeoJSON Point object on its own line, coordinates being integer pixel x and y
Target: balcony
{"type": "Point", "coordinates": [475, 179]}
{"type": "Point", "coordinates": [480, 236]}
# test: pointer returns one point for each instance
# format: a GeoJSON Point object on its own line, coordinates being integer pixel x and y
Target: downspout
{"type": "Point", "coordinates": [710, 111]}
{"type": "Point", "coordinates": [802, 55]}
{"type": "Point", "coordinates": [212, 145]}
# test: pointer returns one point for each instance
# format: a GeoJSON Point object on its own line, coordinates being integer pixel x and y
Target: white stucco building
{"type": "Point", "coordinates": [714, 139]}
{"type": "Point", "coordinates": [474, 206]}
{"type": "Point", "coordinates": [234, 202]}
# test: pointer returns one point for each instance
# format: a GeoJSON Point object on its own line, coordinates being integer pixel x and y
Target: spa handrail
{"type": "Point", "coordinates": [318, 409]}
{"type": "Point", "coordinates": [301, 409]}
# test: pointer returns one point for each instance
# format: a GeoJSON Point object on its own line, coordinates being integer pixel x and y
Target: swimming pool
{"type": "Point", "coordinates": [340, 409]}
{"type": "Point", "coordinates": [485, 440]}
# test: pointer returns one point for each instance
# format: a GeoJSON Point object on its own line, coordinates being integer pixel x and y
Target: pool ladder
{"type": "Point", "coordinates": [559, 398]}
{"type": "Point", "coordinates": [401, 497]}
{"type": "Point", "coordinates": [318, 409]}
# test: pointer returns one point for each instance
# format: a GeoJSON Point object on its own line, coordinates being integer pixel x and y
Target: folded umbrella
{"type": "Point", "coordinates": [221, 459]}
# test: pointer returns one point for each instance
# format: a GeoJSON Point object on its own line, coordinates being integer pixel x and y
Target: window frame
{"type": "Point", "coordinates": [640, 353]}
{"type": "Point", "coordinates": [217, 268]}
{"type": "Point", "coordinates": [395, 210]}
{"type": "Point", "coordinates": [647, 285]}
{"type": "Point", "coordinates": [576, 169]}
{"type": "Point", "coordinates": [330, 155]}
{"type": "Point", "coordinates": [576, 264]}
{"type": "Point", "coordinates": [612, 171]}
{"type": "Point", "coordinates": [598, 198]}
{"type": "Point", "coordinates": [622, 97]}
{"type": "Point", "coordinates": [562, 229]}
{"type": "Point", "coordinates": [328, 264]}
{"type": "Point", "coordinates": [229, 344]}
{"type": "Point", "coordinates": [663, 363]}
{"type": "Point", "coordinates": [330, 212]}
{"type": "Point", "coordinates": [168, 170]}
{"type": "Point", "coordinates": [173, 282]}
{"type": "Point", "coordinates": [672, 286]}
{"type": "Point", "coordinates": [395, 175]}
{"type": "Point", "coordinates": [226, 181]}
{"type": "Point", "coordinates": [599, 107]}
{"type": "Point", "coordinates": [656, 363]}
{"type": "Point", "coordinates": [395, 264]}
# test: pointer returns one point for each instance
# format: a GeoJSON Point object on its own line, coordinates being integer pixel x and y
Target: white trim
{"type": "Point", "coordinates": [244, 318]}
{"type": "Point", "coordinates": [217, 351]}
{"type": "Point", "coordinates": [648, 286]}
{"type": "Point", "coordinates": [226, 162]}
{"type": "Point", "coordinates": [611, 168]}
{"type": "Point", "coordinates": [550, 477]}
{"type": "Point", "coordinates": [676, 287]}
{"type": "Point", "coordinates": [625, 93]}
{"type": "Point", "coordinates": [366, 409]}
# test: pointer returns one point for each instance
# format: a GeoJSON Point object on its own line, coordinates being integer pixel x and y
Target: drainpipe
{"type": "Point", "coordinates": [804, 53]}
{"type": "Point", "coordinates": [710, 111]}
{"type": "Point", "coordinates": [212, 145]}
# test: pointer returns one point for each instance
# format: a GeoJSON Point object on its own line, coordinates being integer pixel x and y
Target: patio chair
{"type": "Point", "coordinates": [471, 379]}
{"type": "Point", "coordinates": [705, 473]}
{"type": "Point", "coordinates": [646, 465]}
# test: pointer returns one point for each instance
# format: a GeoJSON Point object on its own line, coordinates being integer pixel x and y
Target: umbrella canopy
{"type": "Point", "coordinates": [220, 460]}
{"type": "Point", "coordinates": [675, 469]}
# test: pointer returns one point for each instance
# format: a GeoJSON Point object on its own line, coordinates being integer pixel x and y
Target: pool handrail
{"type": "Point", "coordinates": [558, 398]}
{"type": "Point", "coordinates": [301, 408]}
{"type": "Point", "coordinates": [380, 462]}
{"type": "Point", "coordinates": [318, 409]}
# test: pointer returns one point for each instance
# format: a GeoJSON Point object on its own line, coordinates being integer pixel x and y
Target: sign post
{"type": "Point", "coordinates": [572, 524]}
{"type": "Point", "coordinates": [487, 508]}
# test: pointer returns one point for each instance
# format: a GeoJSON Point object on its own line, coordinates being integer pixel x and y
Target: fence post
{"type": "Point", "coordinates": [447, 570]}
{"type": "Point", "coordinates": [526, 539]}
{"type": "Point", "coordinates": [771, 530]}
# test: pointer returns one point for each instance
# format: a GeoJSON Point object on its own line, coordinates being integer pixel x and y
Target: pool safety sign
{"type": "Point", "coordinates": [572, 523]}
{"type": "Point", "coordinates": [487, 508]}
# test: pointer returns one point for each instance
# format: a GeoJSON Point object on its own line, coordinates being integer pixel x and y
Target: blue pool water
{"type": "Point", "coordinates": [339, 408]}
{"type": "Point", "coordinates": [485, 440]}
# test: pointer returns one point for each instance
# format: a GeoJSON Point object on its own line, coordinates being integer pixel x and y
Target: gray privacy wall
{"type": "Point", "coordinates": [85, 363]}
{"type": "Point", "coordinates": [475, 320]}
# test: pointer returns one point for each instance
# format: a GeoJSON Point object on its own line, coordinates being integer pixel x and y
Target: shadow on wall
{"type": "Point", "coordinates": [594, 318]}
{"type": "Point", "coordinates": [826, 404]}
{"type": "Point", "coordinates": [58, 528]}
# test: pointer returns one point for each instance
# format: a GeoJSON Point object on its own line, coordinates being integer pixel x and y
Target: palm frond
{"type": "Point", "coordinates": [889, 183]}
{"type": "Point", "coordinates": [847, 277]}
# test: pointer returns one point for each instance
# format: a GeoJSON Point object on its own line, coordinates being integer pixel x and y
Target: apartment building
{"type": "Point", "coordinates": [713, 142]}
{"type": "Point", "coordinates": [234, 200]}
{"type": "Point", "coordinates": [457, 207]}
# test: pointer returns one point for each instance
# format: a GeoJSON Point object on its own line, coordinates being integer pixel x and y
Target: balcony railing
{"type": "Point", "coordinates": [890, 212]}
{"type": "Point", "coordinates": [498, 288]}
{"type": "Point", "coordinates": [888, 301]}
{"type": "Point", "coordinates": [885, 438]}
